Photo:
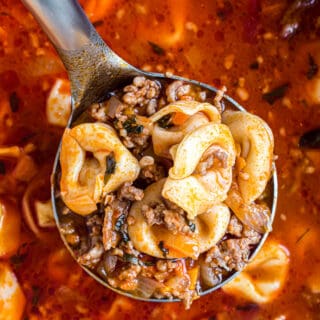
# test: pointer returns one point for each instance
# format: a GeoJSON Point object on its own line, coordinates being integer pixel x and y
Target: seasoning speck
{"type": "Point", "coordinates": [14, 102]}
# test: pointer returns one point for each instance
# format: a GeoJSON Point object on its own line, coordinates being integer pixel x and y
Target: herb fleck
{"type": "Point", "coordinates": [124, 236]}
{"type": "Point", "coordinates": [14, 102]}
{"type": "Point", "coordinates": [2, 168]}
{"type": "Point", "coordinates": [165, 122]}
{"type": "Point", "coordinates": [156, 48]}
{"type": "Point", "coordinates": [130, 258]}
{"type": "Point", "coordinates": [277, 93]}
{"type": "Point", "coordinates": [302, 235]}
{"type": "Point", "coordinates": [164, 250]}
{"type": "Point", "coordinates": [131, 126]}
{"type": "Point", "coordinates": [148, 263]}
{"type": "Point", "coordinates": [313, 68]}
{"type": "Point", "coordinates": [36, 295]}
{"type": "Point", "coordinates": [110, 167]}
{"type": "Point", "coordinates": [310, 139]}
{"type": "Point", "coordinates": [248, 307]}
{"type": "Point", "coordinates": [97, 23]}
{"type": "Point", "coordinates": [17, 259]}
{"type": "Point", "coordinates": [120, 222]}
{"type": "Point", "coordinates": [254, 65]}
{"type": "Point", "coordinates": [192, 226]}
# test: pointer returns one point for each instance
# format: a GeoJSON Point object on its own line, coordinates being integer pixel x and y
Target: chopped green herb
{"type": "Point", "coordinates": [254, 65]}
{"type": "Point", "coordinates": [2, 168]}
{"type": "Point", "coordinates": [36, 295]}
{"type": "Point", "coordinates": [277, 93]}
{"type": "Point", "coordinates": [14, 102]}
{"type": "Point", "coordinates": [164, 250]}
{"type": "Point", "coordinates": [148, 263]}
{"type": "Point", "coordinates": [131, 126]}
{"type": "Point", "coordinates": [192, 226]}
{"type": "Point", "coordinates": [310, 139]}
{"type": "Point", "coordinates": [313, 68]}
{"type": "Point", "coordinates": [165, 122]}
{"type": "Point", "coordinates": [124, 236]}
{"type": "Point", "coordinates": [302, 235]}
{"type": "Point", "coordinates": [119, 223]}
{"type": "Point", "coordinates": [17, 259]}
{"type": "Point", "coordinates": [97, 23]}
{"type": "Point", "coordinates": [130, 258]}
{"type": "Point", "coordinates": [156, 48]}
{"type": "Point", "coordinates": [135, 260]}
{"type": "Point", "coordinates": [110, 167]}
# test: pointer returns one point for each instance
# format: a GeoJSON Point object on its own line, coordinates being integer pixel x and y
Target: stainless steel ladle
{"type": "Point", "coordinates": [95, 70]}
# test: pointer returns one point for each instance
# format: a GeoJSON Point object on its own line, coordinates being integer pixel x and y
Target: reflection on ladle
{"type": "Point", "coordinates": [94, 71]}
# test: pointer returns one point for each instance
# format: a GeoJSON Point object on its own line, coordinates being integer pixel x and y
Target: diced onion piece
{"type": "Point", "coordinates": [59, 103]}
{"type": "Point", "coordinates": [44, 214]}
{"type": "Point", "coordinates": [146, 287]}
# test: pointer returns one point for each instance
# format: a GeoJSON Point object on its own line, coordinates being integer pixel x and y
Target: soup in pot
{"type": "Point", "coordinates": [265, 52]}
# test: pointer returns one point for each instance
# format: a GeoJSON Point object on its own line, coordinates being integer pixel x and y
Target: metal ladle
{"type": "Point", "coordinates": [95, 70]}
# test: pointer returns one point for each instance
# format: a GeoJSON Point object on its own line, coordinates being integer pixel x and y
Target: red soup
{"type": "Point", "coordinates": [265, 52]}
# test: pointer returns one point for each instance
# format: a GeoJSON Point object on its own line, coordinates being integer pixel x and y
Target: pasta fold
{"type": "Point", "coordinates": [85, 180]}
{"type": "Point", "coordinates": [256, 142]}
{"type": "Point", "coordinates": [194, 114]}
{"type": "Point", "coordinates": [187, 186]}
{"type": "Point", "coordinates": [209, 229]}
{"type": "Point", "coordinates": [263, 278]}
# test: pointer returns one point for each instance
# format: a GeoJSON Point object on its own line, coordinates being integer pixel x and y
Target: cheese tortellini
{"type": "Point", "coordinates": [85, 180]}
{"type": "Point", "coordinates": [263, 278]}
{"type": "Point", "coordinates": [209, 229]}
{"type": "Point", "coordinates": [197, 192]}
{"type": "Point", "coordinates": [192, 115]}
{"type": "Point", "coordinates": [255, 139]}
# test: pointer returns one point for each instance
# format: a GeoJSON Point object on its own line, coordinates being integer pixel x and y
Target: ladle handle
{"type": "Point", "coordinates": [93, 68]}
{"type": "Point", "coordinates": [63, 21]}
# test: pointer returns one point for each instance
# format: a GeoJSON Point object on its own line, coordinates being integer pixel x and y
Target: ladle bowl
{"type": "Point", "coordinates": [95, 70]}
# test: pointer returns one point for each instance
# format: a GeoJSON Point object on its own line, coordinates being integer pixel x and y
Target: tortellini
{"type": "Point", "coordinates": [256, 142]}
{"type": "Point", "coordinates": [209, 229]}
{"type": "Point", "coordinates": [197, 192]}
{"type": "Point", "coordinates": [85, 180]}
{"type": "Point", "coordinates": [193, 114]}
{"type": "Point", "coordinates": [264, 277]}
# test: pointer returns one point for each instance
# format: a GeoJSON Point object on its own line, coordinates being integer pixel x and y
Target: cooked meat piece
{"type": "Point", "coordinates": [177, 90]}
{"type": "Point", "coordinates": [142, 93]}
{"type": "Point", "coordinates": [152, 173]}
{"type": "Point", "coordinates": [167, 214]}
{"type": "Point", "coordinates": [135, 135]}
{"type": "Point", "coordinates": [126, 278]}
{"type": "Point", "coordinates": [93, 256]}
{"type": "Point", "coordinates": [130, 192]}
{"type": "Point", "coordinates": [235, 227]}
{"type": "Point", "coordinates": [94, 224]}
{"type": "Point", "coordinates": [175, 222]}
{"type": "Point", "coordinates": [214, 156]}
{"type": "Point", "coordinates": [153, 213]}
{"type": "Point", "coordinates": [114, 223]}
